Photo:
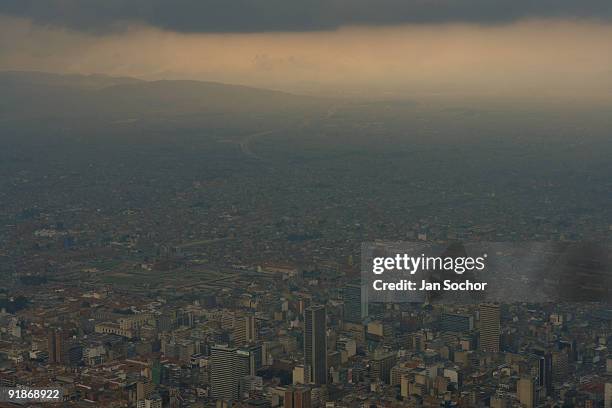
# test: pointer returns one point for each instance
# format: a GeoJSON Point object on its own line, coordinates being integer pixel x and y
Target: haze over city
{"type": "Point", "coordinates": [194, 194]}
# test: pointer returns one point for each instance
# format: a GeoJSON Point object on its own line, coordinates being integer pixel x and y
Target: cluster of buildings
{"type": "Point", "coordinates": [201, 278]}
{"type": "Point", "coordinates": [283, 336]}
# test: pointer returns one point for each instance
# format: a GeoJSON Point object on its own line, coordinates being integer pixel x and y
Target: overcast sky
{"type": "Point", "coordinates": [556, 48]}
{"type": "Point", "coordinates": [291, 15]}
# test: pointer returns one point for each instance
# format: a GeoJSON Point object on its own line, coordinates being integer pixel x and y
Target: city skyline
{"type": "Point", "coordinates": [306, 204]}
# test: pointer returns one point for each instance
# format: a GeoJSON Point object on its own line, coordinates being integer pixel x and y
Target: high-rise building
{"type": "Point", "coordinates": [73, 354]}
{"type": "Point", "coordinates": [244, 364]}
{"type": "Point", "coordinates": [544, 373]}
{"type": "Point", "coordinates": [156, 370]}
{"type": "Point", "coordinates": [255, 357]}
{"type": "Point", "coordinates": [560, 366]}
{"type": "Point", "coordinates": [315, 343]}
{"type": "Point", "coordinates": [525, 389]}
{"type": "Point", "coordinates": [245, 329]}
{"type": "Point", "coordinates": [489, 327]}
{"type": "Point", "coordinates": [144, 390]}
{"type": "Point", "coordinates": [381, 366]}
{"type": "Point", "coordinates": [224, 382]}
{"type": "Point", "coordinates": [56, 346]}
{"type": "Point", "coordinates": [229, 365]}
{"type": "Point", "coordinates": [456, 322]}
{"type": "Point", "coordinates": [355, 303]}
{"type": "Point", "coordinates": [250, 329]}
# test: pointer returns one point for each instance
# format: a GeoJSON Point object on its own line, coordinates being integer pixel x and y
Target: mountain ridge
{"type": "Point", "coordinates": [34, 94]}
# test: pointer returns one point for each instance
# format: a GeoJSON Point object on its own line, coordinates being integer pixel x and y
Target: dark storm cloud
{"type": "Point", "coordinates": [290, 15]}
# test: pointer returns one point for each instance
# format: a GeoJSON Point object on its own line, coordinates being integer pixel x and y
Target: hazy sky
{"type": "Point", "coordinates": [520, 48]}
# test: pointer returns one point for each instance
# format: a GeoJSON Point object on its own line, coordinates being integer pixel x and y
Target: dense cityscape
{"type": "Point", "coordinates": [226, 271]}
{"type": "Point", "coordinates": [305, 204]}
{"type": "Point", "coordinates": [279, 334]}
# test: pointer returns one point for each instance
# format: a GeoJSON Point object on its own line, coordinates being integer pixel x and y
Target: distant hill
{"type": "Point", "coordinates": [36, 78]}
{"type": "Point", "coordinates": [36, 95]}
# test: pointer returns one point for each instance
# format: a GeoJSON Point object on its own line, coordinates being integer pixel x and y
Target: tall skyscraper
{"type": "Point", "coordinates": [489, 327]}
{"type": "Point", "coordinates": [545, 380]}
{"type": "Point", "coordinates": [229, 365]}
{"type": "Point", "coordinates": [315, 343]}
{"type": "Point", "coordinates": [56, 346]}
{"type": "Point", "coordinates": [224, 382]}
{"type": "Point", "coordinates": [355, 303]}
